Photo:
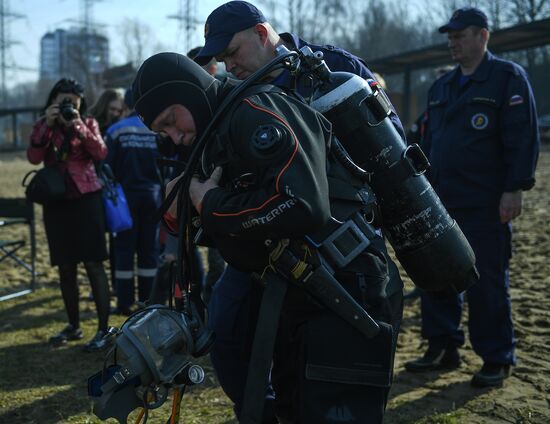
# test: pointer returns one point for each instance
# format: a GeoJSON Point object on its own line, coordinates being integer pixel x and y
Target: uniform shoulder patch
{"type": "Point", "coordinates": [516, 99]}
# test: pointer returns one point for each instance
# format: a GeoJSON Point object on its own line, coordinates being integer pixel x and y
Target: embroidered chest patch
{"type": "Point", "coordinates": [479, 121]}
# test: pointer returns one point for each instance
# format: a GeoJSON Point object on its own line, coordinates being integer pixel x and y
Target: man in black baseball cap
{"type": "Point", "coordinates": [223, 23]}
{"type": "Point", "coordinates": [468, 34]}
{"type": "Point", "coordinates": [465, 17]}
{"type": "Point", "coordinates": [240, 35]}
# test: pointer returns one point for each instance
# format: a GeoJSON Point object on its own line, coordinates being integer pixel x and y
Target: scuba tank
{"type": "Point", "coordinates": [428, 243]}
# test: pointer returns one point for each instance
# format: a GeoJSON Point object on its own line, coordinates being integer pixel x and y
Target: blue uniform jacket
{"type": "Point", "coordinates": [132, 155]}
{"type": "Point", "coordinates": [337, 59]}
{"type": "Point", "coordinates": [482, 138]}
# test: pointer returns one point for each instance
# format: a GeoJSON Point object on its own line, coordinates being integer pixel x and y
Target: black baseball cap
{"type": "Point", "coordinates": [223, 23]}
{"type": "Point", "coordinates": [465, 17]}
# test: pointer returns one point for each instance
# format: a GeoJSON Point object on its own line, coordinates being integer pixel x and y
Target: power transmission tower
{"type": "Point", "coordinates": [187, 21]}
{"type": "Point", "coordinates": [6, 16]}
{"type": "Point", "coordinates": [84, 55]}
{"type": "Point", "coordinates": [87, 16]}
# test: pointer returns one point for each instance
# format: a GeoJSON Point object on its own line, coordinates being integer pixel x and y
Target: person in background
{"type": "Point", "coordinates": [66, 138]}
{"type": "Point", "coordinates": [482, 140]}
{"type": "Point", "coordinates": [108, 108]}
{"type": "Point", "coordinates": [415, 133]}
{"type": "Point", "coordinates": [380, 80]}
{"type": "Point", "coordinates": [132, 158]}
{"type": "Point", "coordinates": [211, 67]}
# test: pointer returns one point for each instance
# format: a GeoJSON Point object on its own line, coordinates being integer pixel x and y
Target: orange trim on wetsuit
{"type": "Point", "coordinates": [280, 173]}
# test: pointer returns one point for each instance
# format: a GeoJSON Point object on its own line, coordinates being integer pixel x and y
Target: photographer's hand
{"type": "Point", "coordinates": [73, 121]}
{"type": "Point", "coordinates": [52, 113]}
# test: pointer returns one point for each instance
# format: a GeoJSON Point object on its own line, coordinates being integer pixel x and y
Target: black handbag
{"type": "Point", "coordinates": [46, 185]}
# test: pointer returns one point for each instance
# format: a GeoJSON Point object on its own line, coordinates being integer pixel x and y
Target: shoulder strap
{"type": "Point", "coordinates": [250, 91]}
{"type": "Point", "coordinates": [261, 356]}
{"type": "Point", "coordinates": [261, 88]}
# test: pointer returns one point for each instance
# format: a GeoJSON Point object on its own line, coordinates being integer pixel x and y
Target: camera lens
{"type": "Point", "coordinates": [67, 110]}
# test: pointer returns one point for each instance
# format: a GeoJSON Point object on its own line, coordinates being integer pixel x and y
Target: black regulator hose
{"type": "Point", "coordinates": [342, 156]}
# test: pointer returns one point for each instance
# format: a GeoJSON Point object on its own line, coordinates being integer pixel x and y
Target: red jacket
{"type": "Point", "coordinates": [86, 146]}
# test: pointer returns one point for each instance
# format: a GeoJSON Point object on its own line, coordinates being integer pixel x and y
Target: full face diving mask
{"type": "Point", "coordinates": [151, 355]}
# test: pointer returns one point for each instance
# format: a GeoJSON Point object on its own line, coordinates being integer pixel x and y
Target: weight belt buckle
{"type": "Point", "coordinates": [344, 244]}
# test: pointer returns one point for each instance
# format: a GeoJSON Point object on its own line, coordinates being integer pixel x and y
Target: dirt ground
{"type": "Point", "coordinates": [42, 385]}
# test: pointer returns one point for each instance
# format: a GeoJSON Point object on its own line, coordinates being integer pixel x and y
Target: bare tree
{"type": "Point", "coordinates": [529, 10]}
{"type": "Point", "coordinates": [496, 12]}
{"type": "Point", "coordinates": [80, 56]}
{"type": "Point", "coordinates": [319, 21]}
{"type": "Point", "coordinates": [385, 30]}
{"type": "Point", "coordinates": [138, 41]}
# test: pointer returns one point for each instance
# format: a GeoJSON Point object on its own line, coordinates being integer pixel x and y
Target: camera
{"type": "Point", "coordinates": [67, 109]}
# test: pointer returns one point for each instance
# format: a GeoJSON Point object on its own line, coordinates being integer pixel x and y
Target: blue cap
{"type": "Point", "coordinates": [223, 23]}
{"type": "Point", "coordinates": [465, 17]}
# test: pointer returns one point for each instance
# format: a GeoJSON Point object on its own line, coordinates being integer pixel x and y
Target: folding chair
{"type": "Point", "coordinates": [17, 211]}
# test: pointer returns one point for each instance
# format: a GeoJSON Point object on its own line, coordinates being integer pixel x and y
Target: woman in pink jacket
{"type": "Point", "coordinates": [75, 225]}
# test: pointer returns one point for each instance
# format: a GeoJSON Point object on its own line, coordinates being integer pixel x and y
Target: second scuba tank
{"type": "Point", "coordinates": [427, 241]}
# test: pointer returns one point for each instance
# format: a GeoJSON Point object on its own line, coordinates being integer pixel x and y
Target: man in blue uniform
{"type": "Point", "coordinates": [132, 157]}
{"type": "Point", "coordinates": [482, 141]}
{"type": "Point", "coordinates": [238, 34]}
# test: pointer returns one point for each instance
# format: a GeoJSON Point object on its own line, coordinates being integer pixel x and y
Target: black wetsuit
{"type": "Point", "coordinates": [275, 184]}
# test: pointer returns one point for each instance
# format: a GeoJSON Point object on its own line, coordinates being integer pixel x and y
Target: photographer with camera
{"type": "Point", "coordinates": [75, 227]}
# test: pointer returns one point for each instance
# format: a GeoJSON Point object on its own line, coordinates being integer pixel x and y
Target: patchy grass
{"type": "Point", "coordinates": [456, 417]}
{"type": "Point", "coordinates": [41, 384]}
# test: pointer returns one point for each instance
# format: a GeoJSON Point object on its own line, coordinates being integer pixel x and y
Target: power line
{"type": "Point", "coordinates": [6, 17]}
{"type": "Point", "coordinates": [87, 16]}
{"type": "Point", "coordinates": [187, 20]}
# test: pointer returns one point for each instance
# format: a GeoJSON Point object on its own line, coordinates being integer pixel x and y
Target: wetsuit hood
{"type": "Point", "coordinates": [166, 79]}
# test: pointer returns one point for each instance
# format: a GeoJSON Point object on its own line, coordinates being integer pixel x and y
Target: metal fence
{"type": "Point", "coordinates": [16, 125]}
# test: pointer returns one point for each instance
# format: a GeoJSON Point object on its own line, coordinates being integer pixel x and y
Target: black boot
{"type": "Point", "coordinates": [435, 359]}
{"type": "Point", "coordinates": [491, 375]}
{"type": "Point", "coordinates": [68, 333]}
{"type": "Point", "coordinates": [99, 342]}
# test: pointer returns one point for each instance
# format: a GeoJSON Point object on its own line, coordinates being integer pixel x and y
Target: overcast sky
{"type": "Point", "coordinates": [41, 16]}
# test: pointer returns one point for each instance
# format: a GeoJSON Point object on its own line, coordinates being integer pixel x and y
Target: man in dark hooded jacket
{"type": "Point", "coordinates": [265, 179]}
{"type": "Point", "coordinates": [238, 34]}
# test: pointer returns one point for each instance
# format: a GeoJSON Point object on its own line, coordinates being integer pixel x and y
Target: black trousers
{"type": "Point", "coordinates": [310, 340]}
{"type": "Point", "coordinates": [325, 371]}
